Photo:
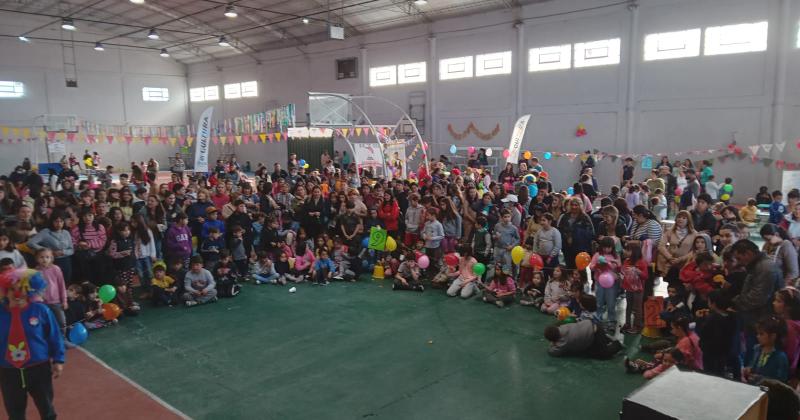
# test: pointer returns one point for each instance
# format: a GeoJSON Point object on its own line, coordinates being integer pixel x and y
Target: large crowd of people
{"type": "Point", "coordinates": [573, 252]}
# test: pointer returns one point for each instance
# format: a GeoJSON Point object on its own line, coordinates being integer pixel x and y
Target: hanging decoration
{"type": "Point", "coordinates": [471, 128]}
{"type": "Point", "coordinates": [581, 131]}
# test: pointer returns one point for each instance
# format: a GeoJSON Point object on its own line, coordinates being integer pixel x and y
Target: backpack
{"type": "Point", "coordinates": [228, 287]}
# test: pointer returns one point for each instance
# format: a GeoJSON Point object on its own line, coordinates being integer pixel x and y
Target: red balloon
{"type": "Point", "coordinates": [456, 172]}
{"type": "Point", "coordinates": [582, 260]}
{"type": "Point", "coordinates": [544, 175]}
{"type": "Point", "coordinates": [451, 259]}
{"type": "Point", "coordinates": [536, 262]}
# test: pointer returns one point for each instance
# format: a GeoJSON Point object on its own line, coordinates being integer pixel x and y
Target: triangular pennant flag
{"type": "Point", "coordinates": [90, 138]}
{"type": "Point", "coordinates": [181, 140]}
{"type": "Point", "coordinates": [767, 147]}
{"type": "Point", "coordinates": [791, 166]}
{"type": "Point", "coordinates": [779, 164]}
{"type": "Point", "coordinates": [173, 141]}
{"type": "Point", "coordinates": [358, 131]}
{"type": "Point", "coordinates": [345, 131]}
{"type": "Point", "coordinates": [246, 138]}
{"type": "Point", "coordinates": [753, 159]}
{"type": "Point", "coordinates": [4, 130]}
{"type": "Point", "coordinates": [754, 149]}
{"type": "Point", "coordinates": [238, 139]}
{"type": "Point", "coordinates": [2, 140]}
{"type": "Point", "coordinates": [367, 130]}
{"type": "Point", "coordinates": [338, 132]}
{"type": "Point", "coordinates": [26, 132]}
{"type": "Point", "coordinates": [189, 140]}
{"type": "Point", "coordinates": [571, 157]}
{"type": "Point", "coordinates": [278, 136]}
{"type": "Point", "coordinates": [163, 139]}
{"type": "Point", "coordinates": [51, 135]}
{"type": "Point", "coordinates": [71, 136]}
{"type": "Point", "coordinates": [271, 137]}
{"type": "Point", "coordinates": [263, 137]}
{"type": "Point", "coordinates": [15, 132]}
{"type": "Point", "coordinates": [128, 139]}
{"type": "Point", "coordinates": [147, 139]}
{"type": "Point", "coordinates": [110, 139]}
{"type": "Point", "coordinates": [215, 139]}
{"type": "Point", "coordinates": [780, 146]}
{"type": "Point", "coordinates": [223, 139]}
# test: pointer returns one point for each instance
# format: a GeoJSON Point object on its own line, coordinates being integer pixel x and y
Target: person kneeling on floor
{"type": "Point", "coordinates": [408, 274]}
{"type": "Point", "coordinates": [582, 338]}
{"type": "Point", "coordinates": [199, 284]}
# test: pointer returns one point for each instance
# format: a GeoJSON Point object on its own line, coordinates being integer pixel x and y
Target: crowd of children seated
{"type": "Point", "coordinates": [572, 253]}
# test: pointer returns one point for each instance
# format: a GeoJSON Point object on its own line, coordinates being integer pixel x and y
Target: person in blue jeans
{"type": "Point", "coordinates": [605, 260]}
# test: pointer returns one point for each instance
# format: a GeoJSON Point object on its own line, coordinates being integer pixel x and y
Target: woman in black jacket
{"type": "Point", "coordinates": [314, 213]}
{"type": "Point", "coordinates": [577, 231]}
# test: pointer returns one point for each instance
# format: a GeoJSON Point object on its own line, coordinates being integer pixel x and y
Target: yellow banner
{"type": "Point", "coordinates": [263, 137]}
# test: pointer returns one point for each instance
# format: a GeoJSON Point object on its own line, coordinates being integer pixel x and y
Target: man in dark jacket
{"type": "Point", "coordinates": [702, 218]}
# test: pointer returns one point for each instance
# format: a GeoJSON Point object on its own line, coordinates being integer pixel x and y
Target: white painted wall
{"type": "Point", "coordinates": [675, 105]}
{"type": "Point", "coordinates": [109, 92]}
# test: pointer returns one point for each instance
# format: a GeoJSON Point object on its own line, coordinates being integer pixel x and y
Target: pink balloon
{"type": "Point", "coordinates": [506, 153]}
{"type": "Point", "coordinates": [423, 261]}
{"type": "Point", "coordinates": [606, 279]}
{"type": "Point", "coordinates": [424, 145]}
{"type": "Point", "coordinates": [471, 150]}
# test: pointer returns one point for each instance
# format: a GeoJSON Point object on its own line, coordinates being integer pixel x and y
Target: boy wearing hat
{"type": "Point", "coordinates": [212, 221]}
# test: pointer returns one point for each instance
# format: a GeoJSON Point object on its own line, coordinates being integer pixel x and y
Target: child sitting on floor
{"type": "Point", "coordinates": [408, 276]}
{"type": "Point", "coordinates": [501, 289]}
{"type": "Point", "coordinates": [93, 318]}
{"type": "Point", "coordinates": [650, 370]}
{"type": "Point", "coordinates": [226, 276]}
{"type": "Point", "coordinates": [466, 279]}
{"type": "Point", "coordinates": [263, 271]}
{"type": "Point", "coordinates": [533, 295]}
{"type": "Point", "coordinates": [556, 293]}
{"type": "Point", "coordinates": [163, 287]}
{"type": "Point", "coordinates": [199, 284]}
{"type": "Point", "coordinates": [323, 269]}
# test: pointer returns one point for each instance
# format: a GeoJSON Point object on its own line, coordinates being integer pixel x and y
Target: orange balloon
{"type": "Point", "coordinates": [111, 311]}
{"type": "Point", "coordinates": [582, 260]}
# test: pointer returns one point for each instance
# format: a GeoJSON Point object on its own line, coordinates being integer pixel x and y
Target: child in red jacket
{"type": "Point", "coordinates": [697, 275]}
{"type": "Point", "coordinates": [634, 274]}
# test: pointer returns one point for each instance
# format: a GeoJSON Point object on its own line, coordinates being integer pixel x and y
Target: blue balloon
{"type": "Point", "coordinates": [301, 162]}
{"type": "Point", "coordinates": [453, 149]}
{"type": "Point", "coordinates": [548, 155]}
{"type": "Point", "coordinates": [365, 242]}
{"type": "Point", "coordinates": [78, 334]}
{"type": "Point", "coordinates": [570, 190]}
{"type": "Point", "coordinates": [533, 190]}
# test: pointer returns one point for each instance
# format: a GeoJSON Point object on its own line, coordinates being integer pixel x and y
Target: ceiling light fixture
{"type": "Point", "coordinates": [68, 24]}
{"type": "Point", "coordinates": [164, 53]}
{"type": "Point", "coordinates": [420, 2]}
{"type": "Point", "coordinates": [153, 34]}
{"type": "Point", "coordinates": [230, 11]}
{"type": "Point", "coordinates": [223, 42]}
{"type": "Point", "coordinates": [98, 46]}
{"type": "Point", "coordinates": [137, 1]}
{"type": "Point", "coordinates": [23, 38]}
{"type": "Point", "coordinates": [306, 21]}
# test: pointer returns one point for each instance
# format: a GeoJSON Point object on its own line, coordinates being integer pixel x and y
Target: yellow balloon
{"type": "Point", "coordinates": [305, 166]}
{"type": "Point", "coordinates": [678, 200]}
{"type": "Point", "coordinates": [526, 155]}
{"type": "Point", "coordinates": [517, 253]}
{"type": "Point", "coordinates": [291, 263]}
{"type": "Point", "coordinates": [725, 197]}
{"type": "Point", "coordinates": [391, 244]}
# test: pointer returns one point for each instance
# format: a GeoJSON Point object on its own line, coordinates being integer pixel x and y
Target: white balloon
{"type": "Point", "coordinates": [292, 290]}
{"type": "Point", "coordinates": [489, 151]}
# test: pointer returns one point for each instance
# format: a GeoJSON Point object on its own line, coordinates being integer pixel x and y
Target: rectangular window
{"type": "Point", "coordinates": [411, 73]}
{"type": "Point", "coordinates": [557, 57]}
{"type": "Point", "coordinates": [10, 89]}
{"type": "Point", "coordinates": [732, 39]}
{"type": "Point", "coordinates": [668, 45]}
{"type": "Point", "coordinates": [197, 94]}
{"type": "Point", "coordinates": [212, 93]}
{"type": "Point", "coordinates": [250, 89]}
{"type": "Point", "coordinates": [597, 53]}
{"type": "Point", "coordinates": [151, 94]}
{"type": "Point", "coordinates": [233, 91]}
{"type": "Point", "coordinates": [383, 76]}
{"type": "Point", "coordinates": [494, 63]}
{"type": "Point", "coordinates": [455, 68]}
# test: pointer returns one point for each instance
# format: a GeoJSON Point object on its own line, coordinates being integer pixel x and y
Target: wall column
{"type": "Point", "coordinates": [521, 70]}
{"type": "Point", "coordinates": [782, 51]}
{"type": "Point", "coordinates": [634, 55]}
{"type": "Point", "coordinates": [433, 77]}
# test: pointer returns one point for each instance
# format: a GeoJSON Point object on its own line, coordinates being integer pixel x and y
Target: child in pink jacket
{"type": "Point", "coordinates": [604, 262]}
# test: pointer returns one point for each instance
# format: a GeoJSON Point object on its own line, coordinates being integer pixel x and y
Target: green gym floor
{"type": "Point", "coordinates": [358, 350]}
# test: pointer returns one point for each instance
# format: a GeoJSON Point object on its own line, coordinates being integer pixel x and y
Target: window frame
{"type": "Point", "coordinates": [250, 92]}
{"type": "Point", "coordinates": [505, 59]}
{"type": "Point", "coordinates": [148, 94]}
{"type": "Point", "coordinates": [692, 39]}
{"type": "Point", "coordinates": [390, 71]}
{"type": "Point", "coordinates": [212, 88]}
{"type": "Point", "coordinates": [612, 57]}
{"type": "Point", "coordinates": [232, 90]}
{"type": "Point", "coordinates": [467, 61]}
{"type": "Point", "coordinates": [421, 77]}
{"type": "Point", "coordinates": [715, 45]}
{"type": "Point", "coordinates": [564, 60]}
{"type": "Point", "coordinates": [12, 89]}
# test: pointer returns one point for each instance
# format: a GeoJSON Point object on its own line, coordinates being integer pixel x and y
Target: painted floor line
{"type": "Point", "coordinates": [152, 396]}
